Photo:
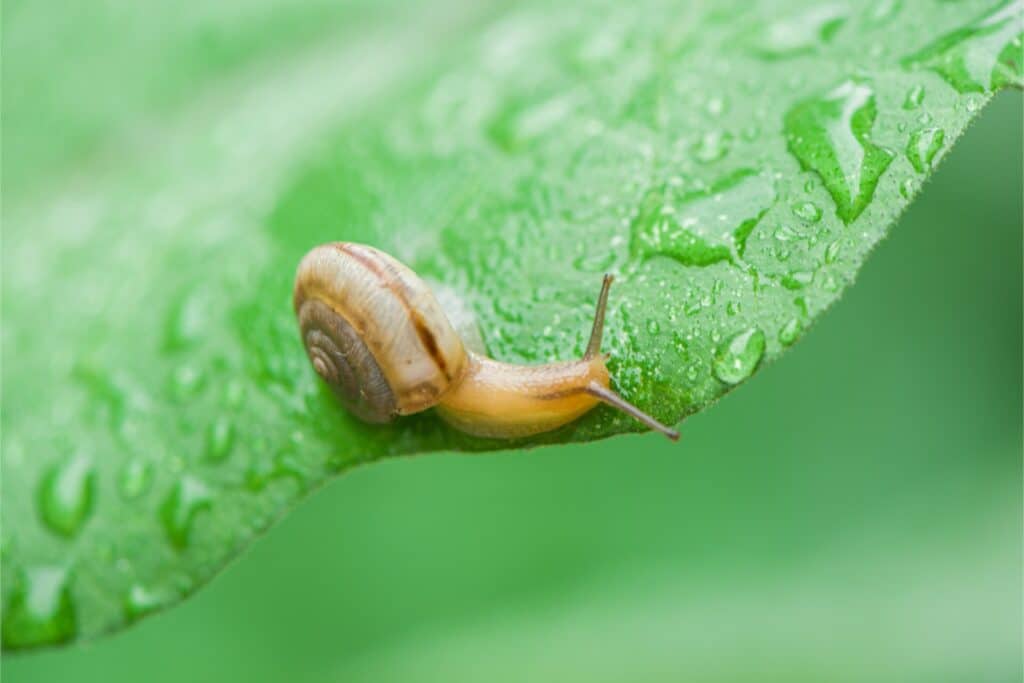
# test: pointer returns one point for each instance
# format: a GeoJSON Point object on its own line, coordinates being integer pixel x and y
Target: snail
{"type": "Point", "coordinates": [374, 331]}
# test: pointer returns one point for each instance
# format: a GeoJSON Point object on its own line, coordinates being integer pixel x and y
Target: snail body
{"type": "Point", "coordinates": [374, 331]}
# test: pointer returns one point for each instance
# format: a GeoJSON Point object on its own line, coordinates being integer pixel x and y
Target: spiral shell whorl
{"type": "Point", "coordinates": [374, 330]}
{"type": "Point", "coordinates": [341, 358]}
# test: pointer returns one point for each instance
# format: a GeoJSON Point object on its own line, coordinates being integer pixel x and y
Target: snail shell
{"type": "Point", "coordinates": [374, 331]}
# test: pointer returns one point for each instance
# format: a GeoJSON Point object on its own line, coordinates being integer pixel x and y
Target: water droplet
{"type": "Point", "coordinates": [66, 495]}
{"type": "Point", "coordinates": [740, 356]}
{"type": "Point", "coordinates": [797, 279]}
{"type": "Point", "coordinates": [262, 471]}
{"type": "Point", "coordinates": [832, 252]}
{"type": "Point", "coordinates": [220, 436]}
{"type": "Point", "coordinates": [653, 327]}
{"type": "Point", "coordinates": [134, 479]}
{"type": "Point", "coordinates": [883, 11]}
{"type": "Point", "coordinates": [715, 106]}
{"type": "Point", "coordinates": [807, 211]}
{"type": "Point", "coordinates": [830, 135]}
{"type": "Point", "coordinates": [800, 33]}
{"type": "Point", "coordinates": [40, 610]}
{"type": "Point", "coordinates": [234, 393]}
{"type": "Point", "coordinates": [595, 263]}
{"type": "Point", "coordinates": [522, 122]}
{"type": "Point", "coordinates": [711, 146]}
{"type": "Point", "coordinates": [789, 332]}
{"type": "Point", "coordinates": [915, 96]}
{"type": "Point", "coordinates": [187, 320]}
{"type": "Point", "coordinates": [732, 308]}
{"type": "Point", "coordinates": [186, 381]}
{"type": "Point", "coordinates": [183, 503]}
{"type": "Point", "coordinates": [706, 227]}
{"type": "Point", "coordinates": [141, 601]}
{"type": "Point", "coordinates": [924, 144]}
{"type": "Point", "coordinates": [907, 188]}
{"type": "Point", "coordinates": [984, 54]}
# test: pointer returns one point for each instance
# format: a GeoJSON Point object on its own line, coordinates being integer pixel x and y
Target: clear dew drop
{"type": "Point", "coordinates": [737, 359]}
{"type": "Point", "coordinates": [789, 332]}
{"type": "Point", "coordinates": [797, 279]}
{"type": "Point", "coordinates": [807, 211]}
{"type": "Point", "coordinates": [66, 495]}
{"type": "Point", "coordinates": [983, 55]}
{"type": "Point", "coordinates": [711, 146]}
{"type": "Point", "coordinates": [908, 187]}
{"type": "Point", "coordinates": [653, 327]}
{"type": "Point", "coordinates": [141, 601]}
{"type": "Point", "coordinates": [922, 147]}
{"type": "Point", "coordinates": [134, 478]}
{"type": "Point", "coordinates": [800, 33]}
{"type": "Point", "coordinates": [883, 11]}
{"type": "Point", "coordinates": [186, 499]}
{"type": "Point", "coordinates": [187, 321]}
{"type": "Point", "coordinates": [831, 135]}
{"type": "Point", "coordinates": [220, 437]}
{"type": "Point", "coordinates": [186, 381]}
{"type": "Point", "coordinates": [914, 98]}
{"type": "Point", "coordinates": [832, 252]}
{"type": "Point", "coordinates": [40, 609]}
{"type": "Point", "coordinates": [595, 263]}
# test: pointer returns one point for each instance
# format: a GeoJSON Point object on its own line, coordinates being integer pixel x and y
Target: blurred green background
{"type": "Point", "coordinates": [853, 513]}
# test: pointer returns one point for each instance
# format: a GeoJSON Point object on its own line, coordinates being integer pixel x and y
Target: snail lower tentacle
{"type": "Point", "coordinates": [340, 357]}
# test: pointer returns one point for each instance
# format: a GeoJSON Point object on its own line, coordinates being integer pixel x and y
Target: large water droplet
{"type": "Point", "coordinates": [831, 136]}
{"type": "Point", "coordinates": [183, 503]}
{"type": "Point", "coordinates": [705, 227]}
{"type": "Point", "coordinates": [40, 609]}
{"type": "Point", "coordinates": [984, 54]}
{"type": "Point", "coordinates": [924, 144]}
{"type": "Point", "coordinates": [66, 495]}
{"type": "Point", "coordinates": [800, 33]}
{"type": "Point", "coordinates": [737, 359]}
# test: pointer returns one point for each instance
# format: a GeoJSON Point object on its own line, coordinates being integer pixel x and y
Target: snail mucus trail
{"type": "Point", "coordinates": [374, 331]}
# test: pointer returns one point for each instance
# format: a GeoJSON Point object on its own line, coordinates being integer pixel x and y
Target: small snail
{"type": "Point", "coordinates": [375, 333]}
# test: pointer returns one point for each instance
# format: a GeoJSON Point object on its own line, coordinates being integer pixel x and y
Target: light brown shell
{"type": "Point", "coordinates": [374, 331]}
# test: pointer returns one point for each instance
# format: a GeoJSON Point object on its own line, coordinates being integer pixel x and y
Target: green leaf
{"type": "Point", "coordinates": [733, 164]}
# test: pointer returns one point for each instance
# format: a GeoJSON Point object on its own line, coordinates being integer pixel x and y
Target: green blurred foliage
{"type": "Point", "coordinates": [853, 514]}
